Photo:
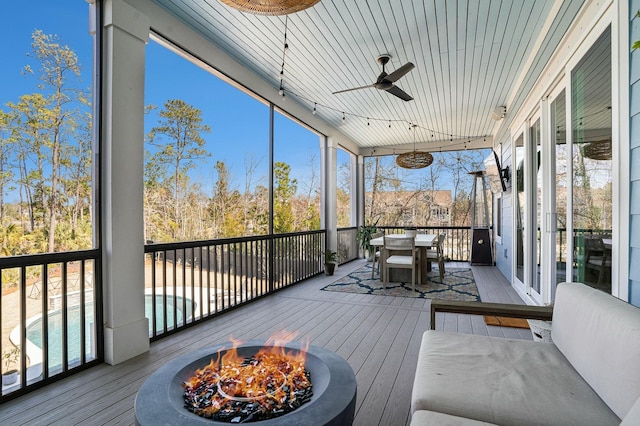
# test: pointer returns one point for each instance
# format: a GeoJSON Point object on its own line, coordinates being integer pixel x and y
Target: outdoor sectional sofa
{"type": "Point", "coordinates": [589, 375]}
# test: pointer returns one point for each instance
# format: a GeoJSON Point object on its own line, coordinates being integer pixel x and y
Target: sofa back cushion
{"type": "Point", "coordinates": [633, 416]}
{"type": "Point", "coordinates": [600, 336]}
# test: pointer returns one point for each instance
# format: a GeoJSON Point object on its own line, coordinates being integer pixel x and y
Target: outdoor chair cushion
{"type": "Point", "coordinates": [397, 259]}
{"type": "Point", "coordinates": [503, 381]}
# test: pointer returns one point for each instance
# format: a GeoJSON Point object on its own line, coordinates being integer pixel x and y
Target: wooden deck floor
{"type": "Point", "coordinates": [378, 335]}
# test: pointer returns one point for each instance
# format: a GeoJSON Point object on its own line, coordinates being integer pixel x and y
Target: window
{"type": "Point", "coordinates": [344, 189]}
{"type": "Point", "coordinates": [45, 129]}
{"type": "Point", "coordinates": [212, 181]}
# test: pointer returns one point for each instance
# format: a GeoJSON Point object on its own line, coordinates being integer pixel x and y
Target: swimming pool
{"type": "Point", "coordinates": [34, 329]}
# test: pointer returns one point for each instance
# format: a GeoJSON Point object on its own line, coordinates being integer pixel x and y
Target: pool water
{"type": "Point", "coordinates": [34, 329]}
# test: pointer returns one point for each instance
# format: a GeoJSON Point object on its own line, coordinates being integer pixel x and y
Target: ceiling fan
{"type": "Point", "coordinates": [385, 81]}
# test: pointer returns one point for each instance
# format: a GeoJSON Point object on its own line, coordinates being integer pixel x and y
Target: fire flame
{"type": "Point", "coordinates": [271, 378]}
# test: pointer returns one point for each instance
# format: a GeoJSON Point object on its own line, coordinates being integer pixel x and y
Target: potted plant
{"type": "Point", "coordinates": [410, 231]}
{"type": "Point", "coordinates": [10, 373]}
{"type": "Point", "coordinates": [364, 234]}
{"type": "Point", "coordinates": [330, 260]}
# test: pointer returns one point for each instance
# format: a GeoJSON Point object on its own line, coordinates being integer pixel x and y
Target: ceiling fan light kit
{"type": "Point", "coordinates": [385, 81]}
{"type": "Point", "coordinates": [270, 7]}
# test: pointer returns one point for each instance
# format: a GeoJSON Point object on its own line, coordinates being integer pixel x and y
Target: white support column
{"type": "Point", "coordinates": [360, 190]}
{"type": "Point", "coordinates": [331, 199]}
{"type": "Point", "coordinates": [125, 33]}
{"type": "Point", "coordinates": [353, 190]}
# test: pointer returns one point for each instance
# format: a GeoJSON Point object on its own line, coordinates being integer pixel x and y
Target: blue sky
{"type": "Point", "coordinates": [18, 21]}
{"type": "Point", "coordinates": [239, 123]}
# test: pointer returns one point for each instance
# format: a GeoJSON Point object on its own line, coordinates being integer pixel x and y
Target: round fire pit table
{"type": "Point", "coordinates": [160, 398]}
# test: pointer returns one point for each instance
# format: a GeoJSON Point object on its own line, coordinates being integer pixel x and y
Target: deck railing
{"type": "Point", "coordinates": [49, 316]}
{"type": "Point", "coordinates": [185, 283]}
{"type": "Point", "coordinates": [191, 281]}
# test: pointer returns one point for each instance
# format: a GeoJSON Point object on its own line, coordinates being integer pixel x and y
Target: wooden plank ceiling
{"type": "Point", "coordinates": [469, 56]}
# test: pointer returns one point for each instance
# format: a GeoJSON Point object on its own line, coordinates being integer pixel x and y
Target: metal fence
{"type": "Point", "coordinates": [191, 281]}
{"type": "Point", "coordinates": [51, 316]}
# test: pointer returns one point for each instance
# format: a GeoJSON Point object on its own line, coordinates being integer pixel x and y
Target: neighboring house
{"type": "Point", "coordinates": [411, 208]}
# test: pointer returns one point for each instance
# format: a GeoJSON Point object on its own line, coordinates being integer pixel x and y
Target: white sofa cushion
{"type": "Point", "coordinates": [426, 418]}
{"type": "Point", "coordinates": [503, 381]}
{"type": "Point", "coordinates": [600, 336]}
{"type": "Point", "coordinates": [633, 416]}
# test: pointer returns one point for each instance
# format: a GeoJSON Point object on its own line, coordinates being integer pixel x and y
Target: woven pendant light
{"type": "Point", "coordinates": [270, 7]}
{"type": "Point", "coordinates": [598, 150]}
{"type": "Point", "coordinates": [414, 159]}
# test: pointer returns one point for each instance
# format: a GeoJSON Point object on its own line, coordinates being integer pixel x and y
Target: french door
{"type": "Point", "coordinates": [563, 182]}
{"type": "Point", "coordinates": [527, 199]}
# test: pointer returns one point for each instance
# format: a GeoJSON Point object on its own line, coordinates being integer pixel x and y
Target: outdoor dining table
{"type": "Point", "coordinates": [423, 242]}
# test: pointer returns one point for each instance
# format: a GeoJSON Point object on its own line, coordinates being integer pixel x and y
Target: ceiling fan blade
{"type": "Point", "coordinates": [395, 76]}
{"type": "Point", "coordinates": [355, 88]}
{"type": "Point", "coordinates": [396, 91]}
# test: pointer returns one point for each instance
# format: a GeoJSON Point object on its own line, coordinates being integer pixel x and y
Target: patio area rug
{"type": "Point", "coordinates": [458, 284]}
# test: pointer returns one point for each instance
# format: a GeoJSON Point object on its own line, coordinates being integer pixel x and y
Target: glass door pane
{"type": "Point", "coordinates": [537, 190]}
{"type": "Point", "coordinates": [520, 207]}
{"type": "Point", "coordinates": [559, 142]}
{"type": "Point", "coordinates": [592, 168]}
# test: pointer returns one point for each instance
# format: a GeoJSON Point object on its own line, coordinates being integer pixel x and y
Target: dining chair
{"type": "Point", "coordinates": [376, 254]}
{"type": "Point", "coordinates": [436, 254]}
{"type": "Point", "coordinates": [395, 256]}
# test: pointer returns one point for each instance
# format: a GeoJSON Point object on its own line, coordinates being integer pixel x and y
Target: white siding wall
{"type": "Point", "coordinates": [504, 250]}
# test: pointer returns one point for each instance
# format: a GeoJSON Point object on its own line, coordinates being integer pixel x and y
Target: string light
{"type": "Point", "coordinates": [281, 92]}
{"type": "Point", "coordinates": [433, 132]}
{"type": "Point", "coordinates": [284, 52]}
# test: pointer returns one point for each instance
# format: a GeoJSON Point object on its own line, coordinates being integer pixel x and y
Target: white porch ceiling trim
{"type": "Point", "coordinates": [471, 56]}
